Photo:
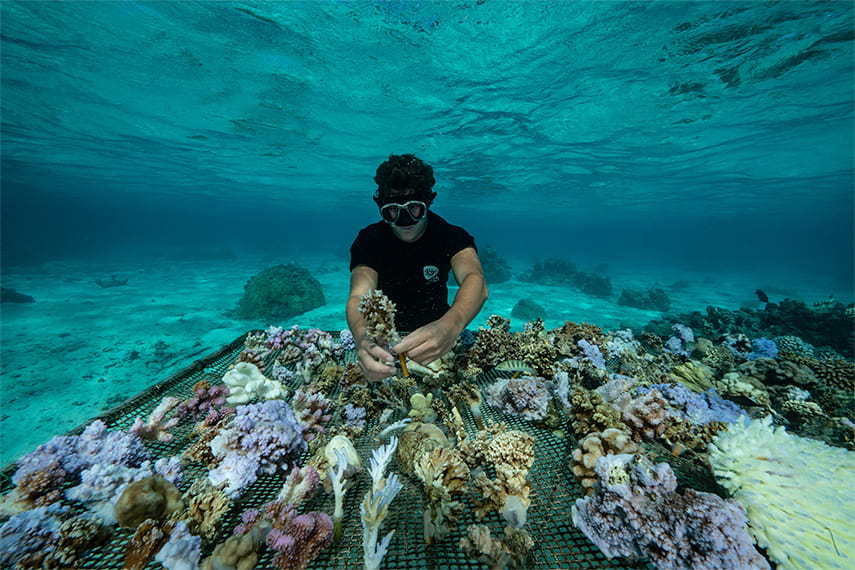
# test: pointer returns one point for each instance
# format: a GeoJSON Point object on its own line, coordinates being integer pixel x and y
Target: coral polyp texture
{"type": "Point", "coordinates": [379, 314]}
{"type": "Point", "coordinates": [798, 492]}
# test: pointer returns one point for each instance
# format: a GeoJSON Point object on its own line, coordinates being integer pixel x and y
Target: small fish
{"type": "Point", "coordinates": [518, 367]}
{"type": "Point", "coordinates": [761, 294]}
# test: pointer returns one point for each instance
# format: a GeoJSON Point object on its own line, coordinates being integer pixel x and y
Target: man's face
{"type": "Point", "coordinates": [408, 231]}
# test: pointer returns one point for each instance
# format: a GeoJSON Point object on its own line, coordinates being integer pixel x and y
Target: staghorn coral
{"type": "Point", "coordinates": [444, 474]}
{"type": "Point", "coordinates": [635, 512]}
{"type": "Point", "coordinates": [611, 441]}
{"type": "Point", "coordinates": [300, 485]}
{"type": "Point", "coordinates": [375, 506]}
{"type": "Point", "coordinates": [378, 311]}
{"type": "Point", "coordinates": [527, 397]}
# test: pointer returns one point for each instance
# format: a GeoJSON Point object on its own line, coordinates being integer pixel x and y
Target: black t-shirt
{"type": "Point", "coordinates": [413, 275]}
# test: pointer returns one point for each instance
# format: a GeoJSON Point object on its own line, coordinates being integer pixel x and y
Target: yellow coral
{"type": "Point", "coordinates": [798, 492]}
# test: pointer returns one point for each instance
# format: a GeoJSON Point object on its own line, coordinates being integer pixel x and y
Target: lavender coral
{"type": "Point", "coordinates": [261, 438]}
{"type": "Point", "coordinates": [636, 512]}
{"type": "Point", "coordinates": [527, 397]}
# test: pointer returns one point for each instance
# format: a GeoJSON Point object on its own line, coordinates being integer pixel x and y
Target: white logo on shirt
{"type": "Point", "coordinates": [431, 273]}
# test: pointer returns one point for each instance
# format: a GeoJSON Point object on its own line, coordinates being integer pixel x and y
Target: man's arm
{"type": "Point", "coordinates": [371, 356]}
{"type": "Point", "coordinates": [432, 341]}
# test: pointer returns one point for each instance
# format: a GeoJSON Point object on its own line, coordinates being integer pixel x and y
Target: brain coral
{"type": "Point", "coordinates": [280, 292]}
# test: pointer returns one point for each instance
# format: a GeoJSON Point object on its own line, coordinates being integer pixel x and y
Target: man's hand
{"type": "Point", "coordinates": [428, 343]}
{"type": "Point", "coordinates": [376, 362]}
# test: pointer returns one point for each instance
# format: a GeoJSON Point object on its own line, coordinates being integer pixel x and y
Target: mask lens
{"type": "Point", "coordinates": [390, 212]}
{"type": "Point", "coordinates": [416, 210]}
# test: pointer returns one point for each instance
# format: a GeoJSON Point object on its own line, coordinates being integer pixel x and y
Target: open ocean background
{"type": "Point", "coordinates": [185, 146]}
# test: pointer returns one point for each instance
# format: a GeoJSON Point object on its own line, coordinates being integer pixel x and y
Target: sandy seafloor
{"type": "Point", "coordinates": [81, 349]}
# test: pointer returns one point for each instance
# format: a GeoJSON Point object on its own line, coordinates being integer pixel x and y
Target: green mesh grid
{"type": "Point", "coordinates": [557, 543]}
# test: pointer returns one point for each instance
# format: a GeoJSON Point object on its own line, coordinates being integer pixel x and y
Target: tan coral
{"type": "Point", "coordinates": [148, 539]}
{"type": "Point", "coordinates": [591, 414]}
{"type": "Point", "coordinates": [468, 394]}
{"type": "Point", "coordinates": [149, 498]}
{"type": "Point", "coordinates": [566, 339]}
{"type": "Point", "coordinates": [444, 475]}
{"type": "Point", "coordinates": [611, 441]}
{"type": "Point", "coordinates": [417, 439]}
{"type": "Point", "coordinates": [644, 415]}
{"type": "Point", "coordinates": [378, 311]}
{"type": "Point", "coordinates": [736, 384]}
{"type": "Point", "coordinates": [695, 376]}
{"type": "Point", "coordinates": [206, 506]}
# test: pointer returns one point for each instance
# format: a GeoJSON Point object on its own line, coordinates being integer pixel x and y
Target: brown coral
{"type": "Point", "coordinates": [206, 506]}
{"type": "Point", "coordinates": [566, 339]}
{"type": "Point", "coordinates": [378, 311]}
{"type": "Point", "coordinates": [591, 414]}
{"type": "Point", "coordinates": [150, 498]}
{"type": "Point", "coordinates": [445, 475]}
{"type": "Point", "coordinates": [148, 539]}
{"type": "Point", "coordinates": [253, 357]}
{"type": "Point", "coordinates": [416, 440]}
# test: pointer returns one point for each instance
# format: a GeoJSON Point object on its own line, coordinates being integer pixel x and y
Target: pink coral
{"type": "Point", "coordinates": [645, 415]}
{"type": "Point", "coordinates": [310, 534]}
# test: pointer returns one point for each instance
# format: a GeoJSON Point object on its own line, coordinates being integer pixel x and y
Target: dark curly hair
{"type": "Point", "coordinates": [402, 172]}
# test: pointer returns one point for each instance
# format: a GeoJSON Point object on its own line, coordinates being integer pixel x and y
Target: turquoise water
{"type": "Point", "coordinates": [685, 134]}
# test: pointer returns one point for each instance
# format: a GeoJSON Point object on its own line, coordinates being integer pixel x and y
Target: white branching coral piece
{"type": "Point", "coordinates": [379, 314]}
{"type": "Point", "coordinates": [338, 479]}
{"type": "Point", "coordinates": [374, 507]}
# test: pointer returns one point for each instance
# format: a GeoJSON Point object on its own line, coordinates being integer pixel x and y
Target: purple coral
{"type": "Point", "coordinates": [699, 409]}
{"type": "Point", "coordinates": [592, 353]}
{"type": "Point", "coordinates": [30, 532]}
{"type": "Point", "coordinates": [301, 539]}
{"type": "Point", "coordinates": [679, 343]}
{"type": "Point", "coordinates": [74, 453]}
{"type": "Point", "coordinates": [636, 512]}
{"type": "Point", "coordinates": [313, 412]}
{"type": "Point", "coordinates": [763, 348]}
{"type": "Point", "coordinates": [527, 397]}
{"type": "Point", "coordinates": [261, 437]}
{"type": "Point", "coordinates": [205, 399]}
